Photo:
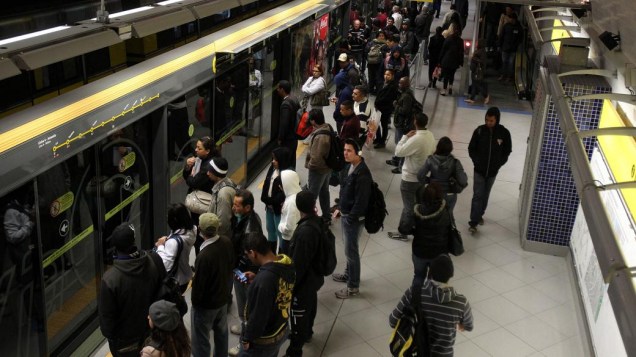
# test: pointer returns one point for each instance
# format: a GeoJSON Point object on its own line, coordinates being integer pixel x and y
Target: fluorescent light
{"type": "Point", "coordinates": [32, 35]}
{"type": "Point", "coordinates": [131, 11]}
{"type": "Point", "coordinates": [169, 2]}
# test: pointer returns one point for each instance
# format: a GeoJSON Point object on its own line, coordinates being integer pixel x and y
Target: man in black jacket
{"type": "Point", "coordinates": [509, 41]}
{"type": "Point", "coordinates": [210, 290]}
{"type": "Point", "coordinates": [403, 118]}
{"type": "Point", "coordinates": [304, 251]}
{"type": "Point", "coordinates": [356, 186]}
{"type": "Point", "coordinates": [269, 298]}
{"type": "Point", "coordinates": [489, 149]}
{"type": "Point", "coordinates": [128, 289]}
{"type": "Point", "coordinates": [384, 103]}
{"type": "Point", "coordinates": [288, 109]}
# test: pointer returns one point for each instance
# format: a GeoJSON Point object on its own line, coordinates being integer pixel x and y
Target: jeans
{"type": "Point", "coordinates": [271, 221]}
{"type": "Point", "coordinates": [420, 266]}
{"type": "Point", "coordinates": [303, 313]}
{"type": "Point", "coordinates": [407, 189]}
{"type": "Point", "coordinates": [508, 63]}
{"type": "Point", "coordinates": [240, 290]}
{"type": "Point", "coordinates": [318, 185]}
{"type": "Point", "coordinates": [351, 232]}
{"type": "Point", "coordinates": [448, 74]}
{"type": "Point", "coordinates": [451, 200]}
{"type": "Point", "coordinates": [203, 321]}
{"type": "Point", "coordinates": [399, 133]}
{"type": "Point", "coordinates": [481, 192]}
{"type": "Point", "coordinates": [263, 350]}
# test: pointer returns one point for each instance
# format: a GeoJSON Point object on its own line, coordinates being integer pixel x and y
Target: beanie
{"type": "Point", "coordinates": [305, 202]}
{"type": "Point", "coordinates": [123, 237]}
{"type": "Point", "coordinates": [442, 268]}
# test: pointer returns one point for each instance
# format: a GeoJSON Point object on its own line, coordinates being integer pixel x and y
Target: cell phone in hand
{"type": "Point", "coordinates": [240, 276]}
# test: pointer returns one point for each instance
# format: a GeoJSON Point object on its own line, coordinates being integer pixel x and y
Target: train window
{"type": "Point", "coordinates": [14, 91]}
{"type": "Point", "coordinates": [97, 62]}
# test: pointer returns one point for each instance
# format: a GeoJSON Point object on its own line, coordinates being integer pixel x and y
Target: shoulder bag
{"type": "Point", "coordinates": [455, 243]}
{"type": "Point", "coordinates": [321, 99]}
{"type": "Point", "coordinates": [198, 201]}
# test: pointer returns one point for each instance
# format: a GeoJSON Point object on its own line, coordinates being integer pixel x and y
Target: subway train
{"type": "Point", "coordinates": [95, 132]}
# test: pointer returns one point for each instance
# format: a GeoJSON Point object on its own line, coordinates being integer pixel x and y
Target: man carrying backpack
{"type": "Point", "coordinates": [375, 56]}
{"type": "Point", "coordinates": [444, 310]}
{"type": "Point", "coordinates": [304, 251]}
{"type": "Point", "coordinates": [316, 161]}
{"type": "Point", "coordinates": [405, 107]}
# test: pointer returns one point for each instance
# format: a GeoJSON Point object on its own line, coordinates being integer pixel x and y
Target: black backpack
{"type": "Point", "coordinates": [326, 257]}
{"type": "Point", "coordinates": [335, 159]}
{"type": "Point", "coordinates": [410, 336]}
{"type": "Point", "coordinates": [168, 289]}
{"type": "Point", "coordinates": [376, 211]}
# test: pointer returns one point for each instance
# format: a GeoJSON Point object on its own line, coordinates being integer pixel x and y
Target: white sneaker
{"type": "Point", "coordinates": [235, 329]}
{"type": "Point", "coordinates": [234, 351]}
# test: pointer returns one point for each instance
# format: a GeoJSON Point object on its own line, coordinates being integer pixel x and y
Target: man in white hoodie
{"type": "Point", "coordinates": [289, 215]}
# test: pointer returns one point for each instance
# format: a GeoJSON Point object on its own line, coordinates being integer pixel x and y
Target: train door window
{"type": "Point", "coordinates": [21, 315]}
{"type": "Point", "coordinates": [68, 224]}
{"type": "Point", "coordinates": [254, 108]}
{"type": "Point", "coordinates": [269, 67]}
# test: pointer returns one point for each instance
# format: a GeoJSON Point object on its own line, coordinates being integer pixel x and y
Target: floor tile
{"type": "Point", "coordinates": [380, 345]}
{"type": "Point", "coordinates": [369, 323]}
{"type": "Point", "coordinates": [468, 349]}
{"type": "Point", "coordinates": [502, 343]}
{"type": "Point", "coordinates": [481, 325]}
{"type": "Point", "coordinates": [501, 310]}
{"type": "Point", "coordinates": [386, 262]}
{"type": "Point", "coordinates": [530, 299]}
{"type": "Point", "coordinates": [471, 263]}
{"type": "Point", "coordinates": [562, 318]}
{"type": "Point", "coordinates": [474, 290]}
{"type": "Point", "coordinates": [499, 280]}
{"type": "Point", "coordinates": [536, 333]}
{"type": "Point", "coordinates": [570, 347]}
{"type": "Point", "coordinates": [497, 255]}
{"type": "Point", "coordinates": [526, 271]}
{"type": "Point", "coordinates": [363, 349]}
{"type": "Point", "coordinates": [341, 337]}
{"type": "Point", "coordinates": [556, 287]}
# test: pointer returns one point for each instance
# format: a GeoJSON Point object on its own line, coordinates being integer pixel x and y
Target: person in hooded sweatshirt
{"type": "Point", "coordinates": [489, 149]}
{"type": "Point", "coordinates": [289, 214]}
{"type": "Point", "coordinates": [441, 166]}
{"type": "Point", "coordinates": [174, 249]}
{"type": "Point", "coordinates": [269, 298]}
{"type": "Point", "coordinates": [127, 291]}
{"type": "Point", "coordinates": [273, 196]}
{"type": "Point", "coordinates": [396, 62]}
{"type": "Point", "coordinates": [445, 310]}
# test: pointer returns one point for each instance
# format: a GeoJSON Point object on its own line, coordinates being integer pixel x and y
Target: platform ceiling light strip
{"type": "Point", "coordinates": [21, 134]}
{"type": "Point", "coordinates": [32, 35]}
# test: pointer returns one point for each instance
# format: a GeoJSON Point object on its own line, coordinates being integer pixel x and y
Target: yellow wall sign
{"type": "Point", "coordinates": [620, 153]}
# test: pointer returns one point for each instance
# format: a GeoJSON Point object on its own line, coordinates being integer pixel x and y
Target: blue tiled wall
{"type": "Point", "coordinates": [555, 200]}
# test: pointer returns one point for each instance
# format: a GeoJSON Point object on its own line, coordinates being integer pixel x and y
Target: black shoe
{"type": "Point", "coordinates": [396, 170]}
{"type": "Point", "coordinates": [392, 162]}
{"type": "Point", "coordinates": [379, 146]}
{"type": "Point", "coordinates": [481, 222]}
{"type": "Point", "coordinates": [450, 91]}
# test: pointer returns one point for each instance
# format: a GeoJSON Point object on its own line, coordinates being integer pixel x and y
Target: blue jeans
{"type": "Point", "coordinates": [240, 290]}
{"type": "Point", "coordinates": [271, 221]}
{"type": "Point", "coordinates": [263, 350]}
{"type": "Point", "coordinates": [318, 185]}
{"type": "Point", "coordinates": [407, 222]}
{"type": "Point", "coordinates": [421, 266]}
{"type": "Point", "coordinates": [203, 321]}
{"type": "Point", "coordinates": [399, 133]}
{"type": "Point", "coordinates": [351, 232]}
{"type": "Point", "coordinates": [451, 200]}
{"type": "Point", "coordinates": [508, 63]}
{"type": "Point", "coordinates": [481, 193]}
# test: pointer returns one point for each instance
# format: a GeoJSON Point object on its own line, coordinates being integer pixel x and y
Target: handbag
{"type": "Point", "coordinates": [437, 72]}
{"type": "Point", "coordinates": [321, 99]}
{"type": "Point", "coordinates": [198, 201]}
{"type": "Point", "coordinates": [455, 243]}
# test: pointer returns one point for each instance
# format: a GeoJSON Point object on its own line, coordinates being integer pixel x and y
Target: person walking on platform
{"type": "Point", "coordinates": [434, 50]}
{"type": "Point", "coordinates": [288, 109]}
{"type": "Point", "coordinates": [489, 149]}
{"type": "Point", "coordinates": [509, 41]}
{"type": "Point", "coordinates": [451, 58]}
{"type": "Point", "coordinates": [384, 103]}
{"type": "Point", "coordinates": [477, 71]}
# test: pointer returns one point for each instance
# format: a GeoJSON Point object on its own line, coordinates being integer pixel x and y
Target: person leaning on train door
{"type": "Point", "coordinates": [287, 119]}
{"type": "Point", "coordinates": [127, 291]}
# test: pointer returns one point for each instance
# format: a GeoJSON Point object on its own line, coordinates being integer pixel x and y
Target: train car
{"type": "Point", "coordinates": [112, 150]}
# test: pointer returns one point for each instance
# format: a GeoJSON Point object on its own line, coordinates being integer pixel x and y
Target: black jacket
{"type": "Point", "coordinates": [435, 49]}
{"type": "Point", "coordinates": [200, 181]}
{"type": "Point", "coordinates": [240, 229]}
{"type": "Point", "coordinates": [127, 291]}
{"type": "Point", "coordinates": [288, 109]}
{"type": "Point", "coordinates": [432, 225]}
{"type": "Point", "coordinates": [269, 298]}
{"type": "Point", "coordinates": [403, 118]}
{"type": "Point", "coordinates": [452, 55]}
{"type": "Point", "coordinates": [277, 198]}
{"type": "Point", "coordinates": [304, 249]}
{"type": "Point", "coordinates": [212, 269]}
{"type": "Point", "coordinates": [510, 37]}
{"type": "Point", "coordinates": [386, 96]}
{"type": "Point", "coordinates": [355, 190]}
{"type": "Point", "coordinates": [489, 149]}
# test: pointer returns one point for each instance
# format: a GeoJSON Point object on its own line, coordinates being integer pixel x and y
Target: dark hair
{"type": "Point", "coordinates": [442, 268]}
{"type": "Point", "coordinates": [347, 104]}
{"type": "Point", "coordinates": [179, 217]}
{"type": "Point", "coordinates": [247, 198]}
{"type": "Point", "coordinates": [389, 70]}
{"type": "Point", "coordinates": [429, 194]}
{"type": "Point", "coordinates": [453, 7]}
{"type": "Point", "coordinates": [352, 142]}
{"type": "Point", "coordinates": [444, 146]}
{"type": "Point", "coordinates": [493, 112]}
{"type": "Point", "coordinates": [421, 120]}
{"type": "Point", "coordinates": [257, 242]}
{"type": "Point", "coordinates": [207, 143]}
{"type": "Point", "coordinates": [439, 30]}
{"type": "Point", "coordinates": [173, 343]}
{"type": "Point", "coordinates": [317, 116]}
{"type": "Point", "coordinates": [363, 89]}
{"type": "Point", "coordinates": [285, 85]}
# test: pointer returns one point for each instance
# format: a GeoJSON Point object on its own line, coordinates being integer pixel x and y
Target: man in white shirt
{"type": "Point", "coordinates": [415, 146]}
{"type": "Point", "coordinates": [397, 17]}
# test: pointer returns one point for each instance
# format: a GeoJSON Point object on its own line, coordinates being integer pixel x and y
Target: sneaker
{"type": "Point", "coordinates": [235, 329]}
{"type": "Point", "coordinates": [481, 222]}
{"type": "Point", "coordinates": [396, 170]}
{"type": "Point", "coordinates": [442, 92]}
{"type": "Point", "coordinates": [472, 229]}
{"type": "Point", "coordinates": [341, 278]}
{"type": "Point", "coordinates": [392, 162]}
{"type": "Point", "coordinates": [234, 351]}
{"type": "Point", "coordinates": [346, 293]}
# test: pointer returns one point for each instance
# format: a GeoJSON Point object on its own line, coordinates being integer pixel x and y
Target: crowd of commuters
{"type": "Point", "coordinates": [272, 270]}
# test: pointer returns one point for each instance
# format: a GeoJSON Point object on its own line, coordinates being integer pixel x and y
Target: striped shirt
{"type": "Point", "coordinates": [444, 310]}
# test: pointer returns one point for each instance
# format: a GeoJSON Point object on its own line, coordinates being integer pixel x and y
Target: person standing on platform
{"type": "Point", "coordinates": [375, 57]}
{"type": "Point", "coordinates": [357, 43]}
{"type": "Point", "coordinates": [318, 173]}
{"type": "Point", "coordinates": [423, 22]}
{"type": "Point", "coordinates": [289, 215]}
{"type": "Point", "coordinates": [344, 89]}
{"type": "Point", "coordinates": [223, 192]}
{"type": "Point", "coordinates": [288, 109]}
{"type": "Point", "coordinates": [489, 149]}
{"type": "Point", "coordinates": [273, 196]}
{"type": "Point", "coordinates": [403, 119]}
{"type": "Point", "coordinates": [384, 103]}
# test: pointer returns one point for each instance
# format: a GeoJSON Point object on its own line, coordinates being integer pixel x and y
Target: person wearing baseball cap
{"type": "Point", "coordinates": [168, 336]}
